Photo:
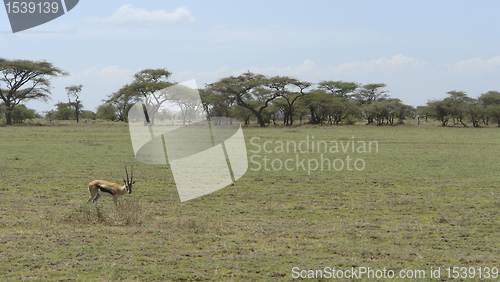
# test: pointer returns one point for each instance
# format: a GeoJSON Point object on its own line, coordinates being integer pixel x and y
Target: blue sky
{"type": "Point", "coordinates": [420, 49]}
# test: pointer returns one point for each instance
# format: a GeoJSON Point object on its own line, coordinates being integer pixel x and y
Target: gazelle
{"type": "Point", "coordinates": [98, 187]}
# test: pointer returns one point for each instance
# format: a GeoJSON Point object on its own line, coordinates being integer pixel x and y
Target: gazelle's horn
{"type": "Point", "coordinates": [127, 174]}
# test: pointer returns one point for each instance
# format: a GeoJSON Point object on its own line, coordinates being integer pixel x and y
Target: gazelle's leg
{"type": "Point", "coordinates": [92, 194]}
{"type": "Point", "coordinates": [92, 197]}
{"type": "Point", "coordinates": [96, 197]}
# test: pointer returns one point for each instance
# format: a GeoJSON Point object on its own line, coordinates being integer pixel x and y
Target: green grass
{"type": "Point", "coordinates": [428, 198]}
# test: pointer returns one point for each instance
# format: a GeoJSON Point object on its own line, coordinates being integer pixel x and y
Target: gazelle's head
{"type": "Point", "coordinates": [128, 183]}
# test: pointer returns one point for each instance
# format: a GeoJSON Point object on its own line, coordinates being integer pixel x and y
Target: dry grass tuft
{"type": "Point", "coordinates": [128, 212]}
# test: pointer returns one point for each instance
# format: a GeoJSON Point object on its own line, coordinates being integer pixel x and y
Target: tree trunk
{"type": "Point", "coordinates": [8, 113]}
{"type": "Point", "coordinates": [260, 120]}
{"type": "Point", "coordinates": [313, 117]}
{"type": "Point", "coordinates": [77, 108]}
{"type": "Point", "coordinates": [258, 114]}
{"type": "Point", "coordinates": [8, 117]}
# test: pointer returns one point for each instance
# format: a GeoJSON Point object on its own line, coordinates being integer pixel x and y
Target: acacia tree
{"type": "Point", "coordinates": [147, 85]}
{"type": "Point", "coordinates": [106, 111]}
{"type": "Point", "coordinates": [50, 115]}
{"type": "Point", "coordinates": [339, 88]}
{"type": "Point", "coordinates": [25, 80]}
{"type": "Point", "coordinates": [370, 93]}
{"type": "Point", "coordinates": [387, 110]}
{"type": "Point", "coordinates": [342, 109]}
{"type": "Point", "coordinates": [74, 91]}
{"type": "Point", "coordinates": [281, 109]}
{"type": "Point", "coordinates": [458, 101]}
{"type": "Point", "coordinates": [493, 111]}
{"type": "Point", "coordinates": [187, 99]}
{"type": "Point", "coordinates": [284, 87]}
{"type": "Point", "coordinates": [422, 111]}
{"type": "Point", "coordinates": [319, 104]}
{"type": "Point", "coordinates": [342, 105]}
{"type": "Point", "coordinates": [122, 100]}
{"type": "Point", "coordinates": [402, 111]}
{"type": "Point", "coordinates": [490, 98]}
{"type": "Point", "coordinates": [378, 111]}
{"type": "Point", "coordinates": [475, 111]}
{"type": "Point", "coordinates": [63, 112]}
{"type": "Point", "coordinates": [248, 91]}
{"type": "Point", "coordinates": [491, 101]}
{"type": "Point", "coordinates": [216, 104]}
{"type": "Point", "coordinates": [441, 109]}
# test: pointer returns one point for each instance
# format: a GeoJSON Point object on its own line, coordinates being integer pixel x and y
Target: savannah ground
{"type": "Point", "coordinates": [429, 198]}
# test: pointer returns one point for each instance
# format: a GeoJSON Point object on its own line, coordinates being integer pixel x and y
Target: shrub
{"type": "Point", "coordinates": [128, 212]}
{"type": "Point", "coordinates": [20, 113]}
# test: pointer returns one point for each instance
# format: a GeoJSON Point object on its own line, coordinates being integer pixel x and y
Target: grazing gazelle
{"type": "Point", "coordinates": [98, 187]}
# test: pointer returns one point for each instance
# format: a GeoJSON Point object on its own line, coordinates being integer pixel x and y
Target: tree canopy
{"type": "Point", "coordinates": [147, 85]}
{"type": "Point", "coordinates": [74, 91]}
{"type": "Point", "coordinates": [24, 80]}
{"type": "Point", "coordinates": [246, 90]}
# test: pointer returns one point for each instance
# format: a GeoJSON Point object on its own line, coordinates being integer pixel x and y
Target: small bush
{"type": "Point", "coordinates": [128, 212]}
{"type": "Point", "coordinates": [20, 113]}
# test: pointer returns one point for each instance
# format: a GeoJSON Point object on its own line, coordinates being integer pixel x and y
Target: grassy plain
{"type": "Point", "coordinates": [428, 198]}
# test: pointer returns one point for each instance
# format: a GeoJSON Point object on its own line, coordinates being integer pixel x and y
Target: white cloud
{"type": "Point", "coordinates": [202, 77]}
{"type": "Point", "coordinates": [476, 66]}
{"type": "Point", "coordinates": [109, 74]}
{"type": "Point", "coordinates": [129, 15]}
{"type": "Point", "coordinates": [396, 63]}
{"type": "Point", "coordinates": [308, 68]}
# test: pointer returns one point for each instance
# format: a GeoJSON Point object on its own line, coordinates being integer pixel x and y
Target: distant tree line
{"type": "Point", "coordinates": [461, 109]}
{"type": "Point", "coordinates": [247, 97]}
{"type": "Point", "coordinates": [285, 99]}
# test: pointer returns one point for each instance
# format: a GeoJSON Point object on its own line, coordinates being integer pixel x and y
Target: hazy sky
{"type": "Point", "coordinates": [420, 49]}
